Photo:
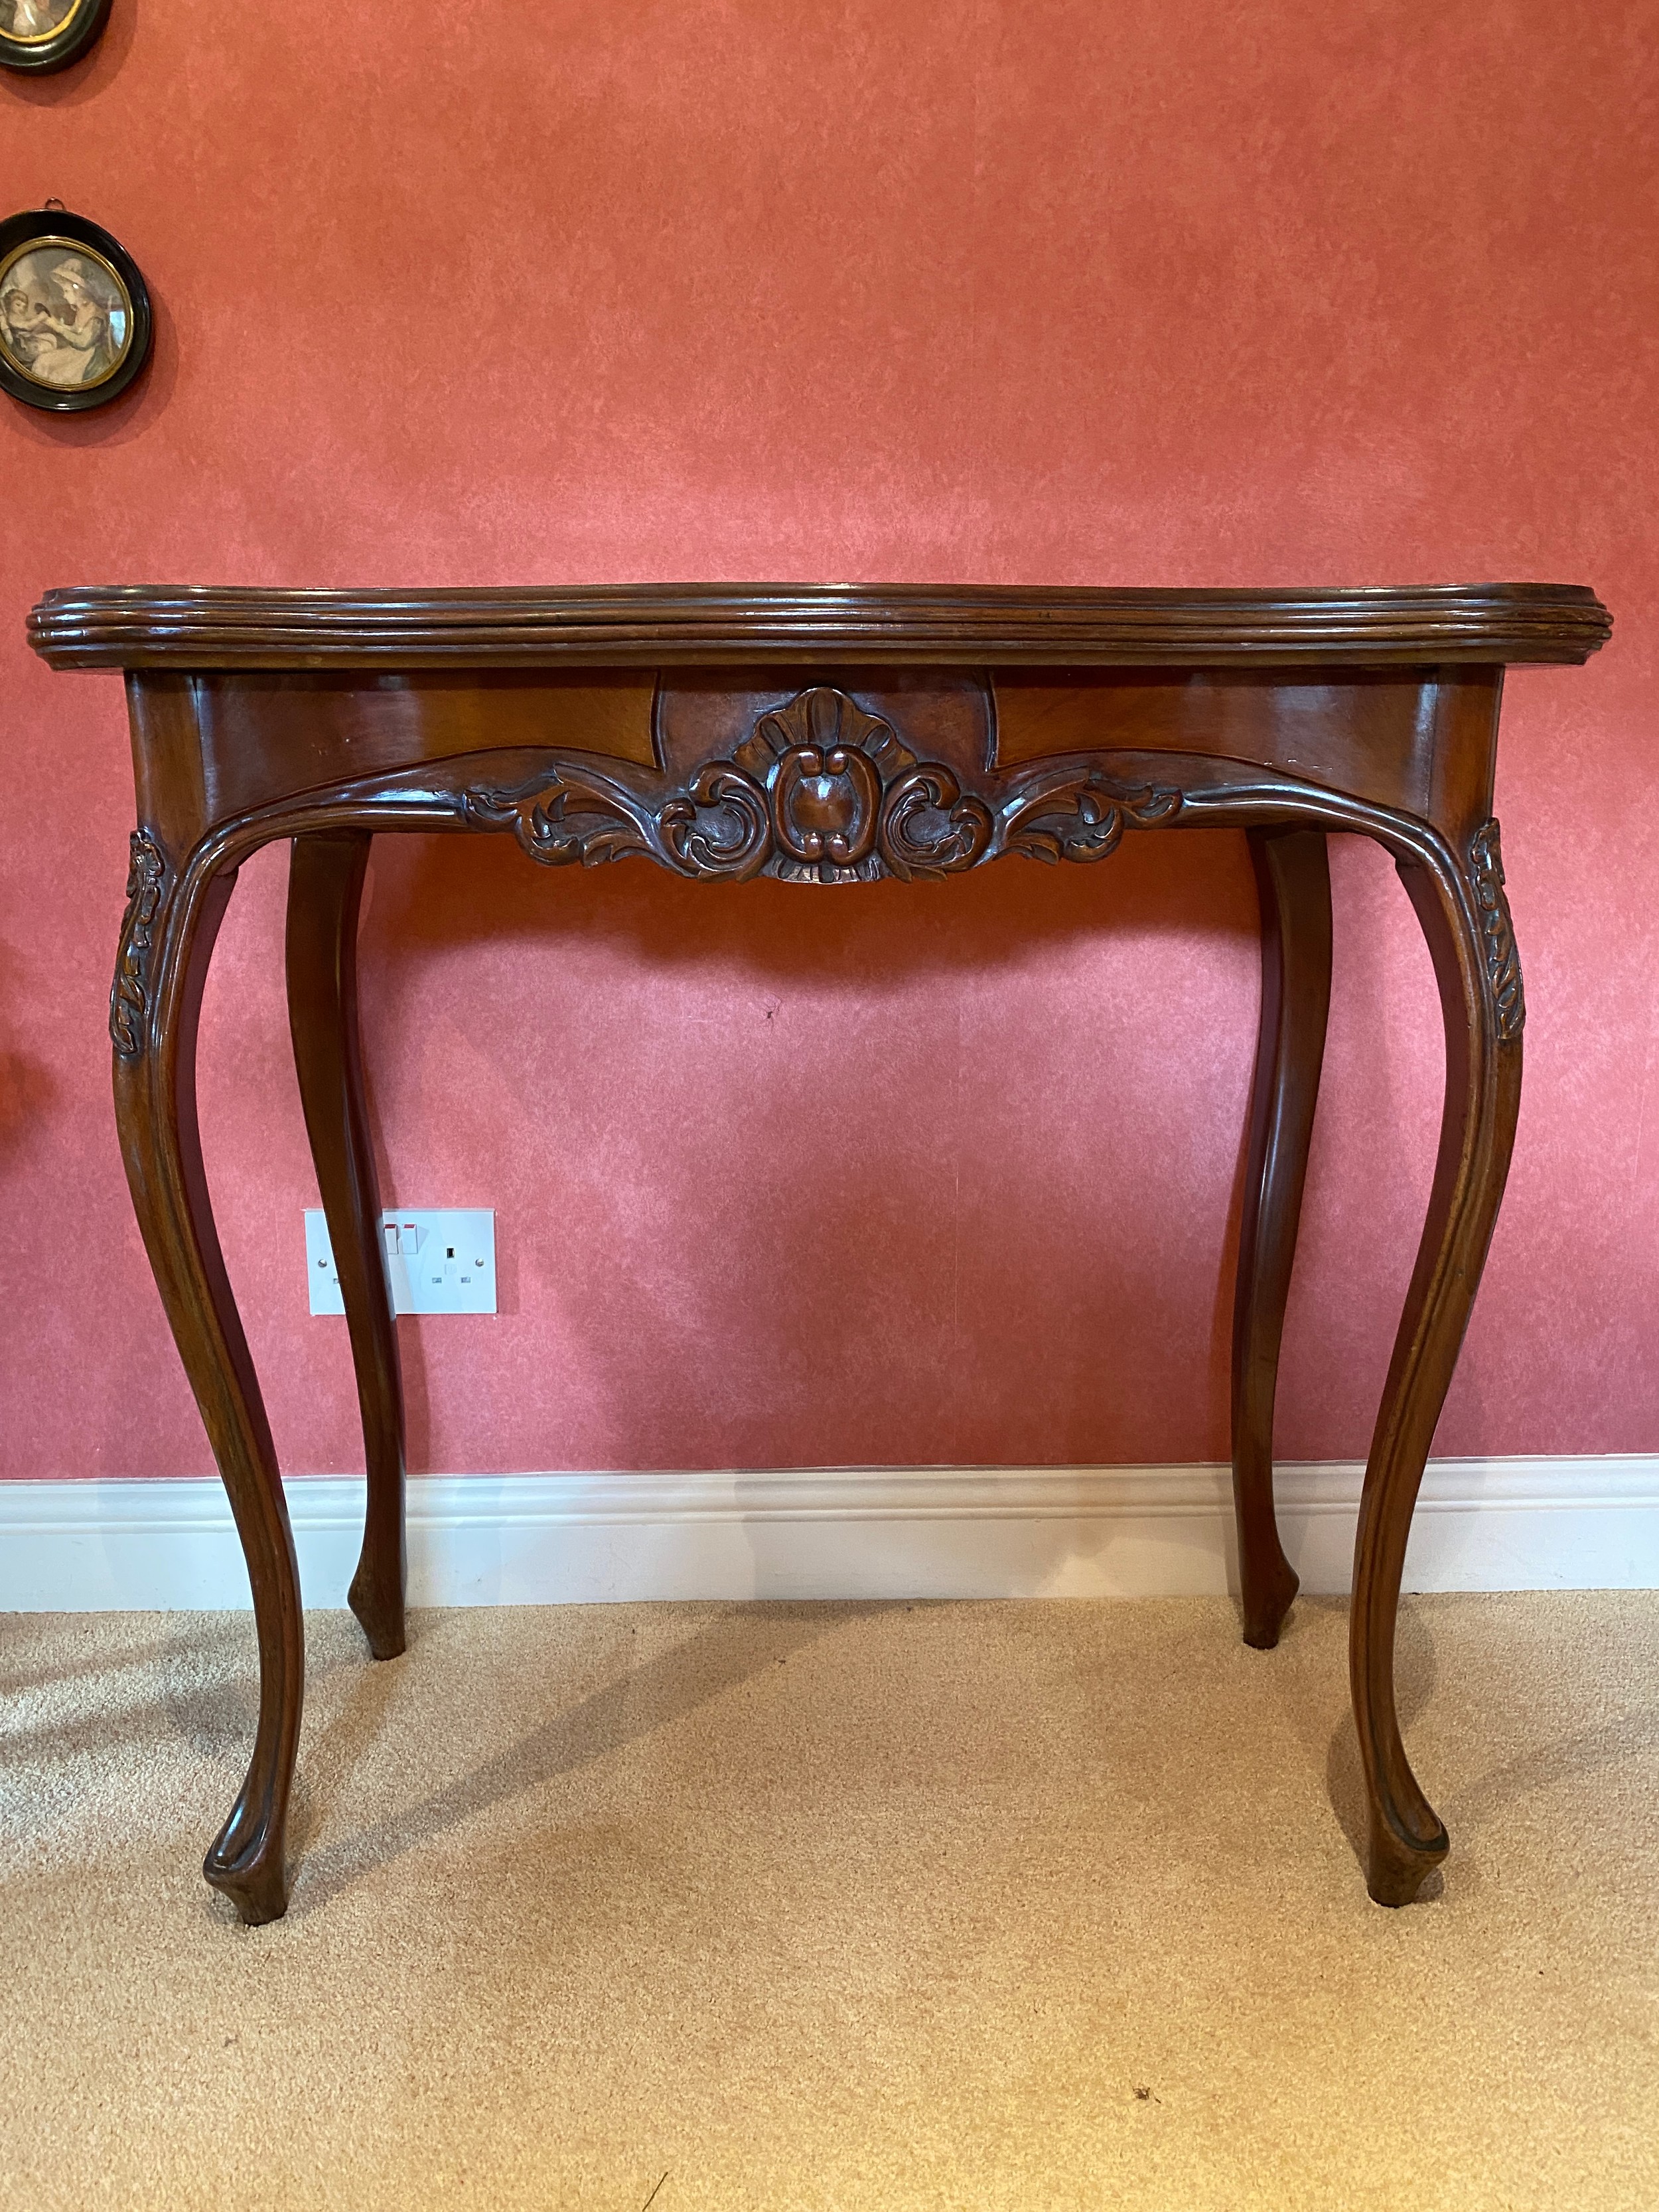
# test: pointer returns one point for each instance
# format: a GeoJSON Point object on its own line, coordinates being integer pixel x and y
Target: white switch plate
{"type": "Point", "coordinates": [441, 1260]}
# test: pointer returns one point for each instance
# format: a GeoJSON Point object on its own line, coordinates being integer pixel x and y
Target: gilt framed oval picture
{"type": "Point", "coordinates": [48, 34]}
{"type": "Point", "coordinates": [74, 322]}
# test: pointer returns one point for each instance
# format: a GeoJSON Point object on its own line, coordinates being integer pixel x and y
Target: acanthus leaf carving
{"type": "Point", "coordinates": [561, 817]}
{"type": "Point", "coordinates": [1502, 958]}
{"type": "Point", "coordinates": [1083, 816]}
{"type": "Point", "coordinates": [820, 791]}
{"type": "Point", "coordinates": [573, 814]}
{"type": "Point", "coordinates": [130, 993]}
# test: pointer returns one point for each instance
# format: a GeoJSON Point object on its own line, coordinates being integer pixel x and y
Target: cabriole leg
{"type": "Point", "coordinates": [1467, 928]}
{"type": "Point", "coordinates": [154, 1012]}
{"type": "Point", "coordinates": [1292, 874]}
{"type": "Point", "coordinates": [325, 893]}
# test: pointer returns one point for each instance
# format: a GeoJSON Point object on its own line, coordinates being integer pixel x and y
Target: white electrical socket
{"type": "Point", "coordinates": [441, 1261]}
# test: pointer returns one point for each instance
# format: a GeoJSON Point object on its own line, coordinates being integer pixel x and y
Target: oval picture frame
{"type": "Point", "coordinates": [74, 313]}
{"type": "Point", "coordinates": [48, 34]}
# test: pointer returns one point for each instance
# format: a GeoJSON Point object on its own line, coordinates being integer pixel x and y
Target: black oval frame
{"type": "Point", "coordinates": [52, 222]}
{"type": "Point", "coordinates": [66, 44]}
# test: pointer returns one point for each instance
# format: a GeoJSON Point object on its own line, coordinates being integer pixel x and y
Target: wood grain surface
{"type": "Point", "coordinates": [143, 626]}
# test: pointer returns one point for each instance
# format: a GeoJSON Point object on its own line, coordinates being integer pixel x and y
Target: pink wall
{"type": "Point", "coordinates": [1162, 292]}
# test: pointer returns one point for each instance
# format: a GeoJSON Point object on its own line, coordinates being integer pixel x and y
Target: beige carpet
{"type": "Point", "coordinates": [1020, 1904]}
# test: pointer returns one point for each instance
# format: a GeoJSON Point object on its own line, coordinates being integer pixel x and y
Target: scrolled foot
{"type": "Point", "coordinates": [256, 1881]}
{"type": "Point", "coordinates": [379, 1613]}
{"type": "Point", "coordinates": [1398, 1865]}
{"type": "Point", "coordinates": [1267, 1604]}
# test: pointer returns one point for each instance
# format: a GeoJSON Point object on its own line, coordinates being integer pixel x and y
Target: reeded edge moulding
{"type": "Point", "coordinates": [738, 625]}
{"type": "Point", "coordinates": [74, 313]}
{"type": "Point", "coordinates": [48, 34]}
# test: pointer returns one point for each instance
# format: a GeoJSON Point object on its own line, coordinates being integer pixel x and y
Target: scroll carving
{"type": "Point", "coordinates": [718, 827]}
{"type": "Point", "coordinates": [1083, 816]}
{"type": "Point", "coordinates": [821, 790]}
{"type": "Point", "coordinates": [129, 997]}
{"type": "Point", "coordinates": [1502, 960]}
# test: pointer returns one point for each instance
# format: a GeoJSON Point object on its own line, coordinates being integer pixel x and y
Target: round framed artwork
{"type": "Point", "coordinates": [74, 322]}
{"type": "Point", "coordinates": [48, 34]}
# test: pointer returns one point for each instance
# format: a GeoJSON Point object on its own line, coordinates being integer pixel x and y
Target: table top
{"type": "Point", "coordinates": [621, 625]}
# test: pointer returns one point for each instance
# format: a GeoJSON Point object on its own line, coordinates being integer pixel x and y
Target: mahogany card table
{"type": "Point", "coordinates": [828, 735]}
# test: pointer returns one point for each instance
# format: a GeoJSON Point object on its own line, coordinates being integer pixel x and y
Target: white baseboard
{"type": "Point", "coordinates": [93, 1547]}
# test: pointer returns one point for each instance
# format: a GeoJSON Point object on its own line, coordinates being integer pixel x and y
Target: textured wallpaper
{"type": "Point", "coordinates": [1189, 293]}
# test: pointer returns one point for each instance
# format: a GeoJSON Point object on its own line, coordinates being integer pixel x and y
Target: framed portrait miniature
{"type": "Point", "coordinates": [74, 322]}
{"type": "Point", "coordinates": [48, 34]}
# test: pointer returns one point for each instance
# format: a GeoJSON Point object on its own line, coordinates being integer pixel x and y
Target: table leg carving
{"type": "Point", "coordinates": [325, 883]}
{"type": "Point", "coordinates": [1292, 874]}
{"type": "Point", "coordinates": [154, 1019]}
{"type": "Point", "coordinates": [1465, 918]}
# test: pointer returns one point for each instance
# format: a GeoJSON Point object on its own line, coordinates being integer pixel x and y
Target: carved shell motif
{"type": "Point", "coordinates": [849, 801]}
